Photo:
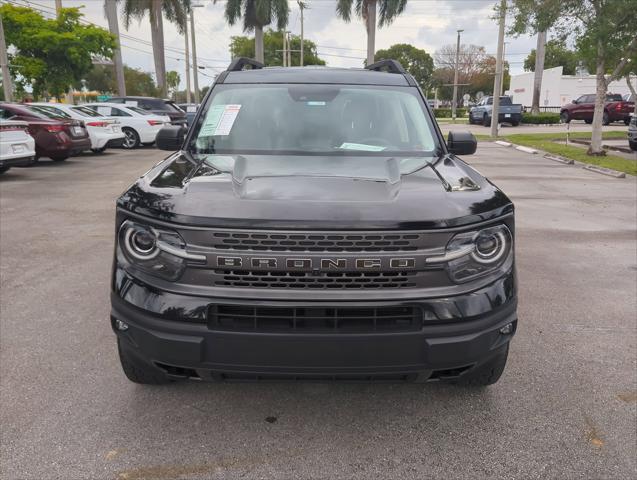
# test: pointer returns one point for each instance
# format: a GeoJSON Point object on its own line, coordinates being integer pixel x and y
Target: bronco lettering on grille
{"type": "Point", "coordinates": [316, 264]}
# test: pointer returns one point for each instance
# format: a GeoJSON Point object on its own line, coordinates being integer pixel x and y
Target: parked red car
{"type": "Point", "coordinates": [56, 138]}
{"type": "Point", "coordinates": [616, 109]}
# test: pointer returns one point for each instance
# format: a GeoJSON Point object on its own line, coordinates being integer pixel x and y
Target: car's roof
{"type": "Point", "coordinates": [133, 97]}
{"type": "Point", "coordinates": [326, 75]}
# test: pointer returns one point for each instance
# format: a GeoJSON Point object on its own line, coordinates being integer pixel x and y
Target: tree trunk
{"type": "Point", "coordinates": [600, 98]}
{"type": "Point", "coordinates": [540, 52]}
{"type": "Point", "coordinates": [258, 44]}
{"type": "Point", "coordinates": [157, 37]}
{"type": "Point", "coordinates": [111, 15]}
{"type": "Point", "coordinates": [371, 31]}
{"type": "Point", "coordinates": [632, 91]}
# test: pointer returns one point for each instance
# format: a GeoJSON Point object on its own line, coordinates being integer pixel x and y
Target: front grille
{"type": "Point", "coordinates": [315, 280]}
{"type": "Point", "coordinates": [316, 242]}
{"type": "Point", "coordinates": [315, 319]}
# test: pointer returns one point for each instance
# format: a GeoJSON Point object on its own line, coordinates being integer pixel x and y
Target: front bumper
{"type": "Point", "coordinates": [173, 333]}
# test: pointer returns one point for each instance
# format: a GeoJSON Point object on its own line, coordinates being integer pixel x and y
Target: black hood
{"type": "Point", "coordinates": [321, 192]}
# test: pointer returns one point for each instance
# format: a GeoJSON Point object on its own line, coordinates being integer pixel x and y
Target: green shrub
{"type": "Point", "coordinates": [446, 112]}
{"type": "Point", "coordinates": [541, 118]}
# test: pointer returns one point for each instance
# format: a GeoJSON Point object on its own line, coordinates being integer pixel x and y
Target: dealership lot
{"type": "Point", "coordinates": [565, 407]}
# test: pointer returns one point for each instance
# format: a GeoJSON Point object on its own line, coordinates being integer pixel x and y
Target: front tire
{"type": "Point", "coordinates": [588, 122]}
{"type": "Point", "coordinates": [486, 121]}
{"type": "Point", "coordinates": [626, 121]}
{"type": "Point", "coordinates": [489, 372]}
{"type": "Point", "coordinates": [97, 151]}
{"type": "Point", "coordinates": [632, 145]}
{"type": "Point", "coordinates": [59, 158]}
{"type": "Point", "coordinates": [4, 169]}
{"type": "Point", "coordinates": [131, 138]}
{"type": "Point", "coordinates": [138, 371]}
{"type": "Point", "coordinates": [565, 117]}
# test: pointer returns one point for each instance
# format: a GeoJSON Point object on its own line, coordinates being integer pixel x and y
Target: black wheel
{"type": "Point", "coordinates": [59, 158]}
{"type": "Point", "coordinates": [97, 151]}
{"type": "Point", "coordinates": [148, 144]}
{"type": "Point", "coordinates": [565, 117]}
{"type": "Point", "coordinates": [489, 372]}
{"type": "Point", "coordinates": [632, 145]}
{"type": "Point", "coordinates": [588, 121]}
{"type": "Point", "coordinates": [131, 138]}
{"type": "Point", "coordinates": [605, 119]}
{"type": "Point", "coordinates": [3, 169]}
{"type": "Point", "coordinates": [138, 371]}
{"type": "Point", "coordinates": [515, 124]}
{"type": "Point", "coordinates": [486, 121]}
{"type": "Point", "coordinates": [626, 121]}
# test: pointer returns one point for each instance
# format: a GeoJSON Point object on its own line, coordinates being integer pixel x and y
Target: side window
{"type": "Point", "coordinates": [116, 112]}
{"type": "Point", "coordinates": [590, 99]}
{"type": "Point", "coordinates": [6, 114]}
{"type": "Point", "coordinates": [102, 110]}
{"type": "Point", "coordinates": [490, 101]}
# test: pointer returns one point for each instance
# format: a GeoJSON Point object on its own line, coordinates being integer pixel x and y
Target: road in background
{"type": "Point", "coordinates": [566, 406]}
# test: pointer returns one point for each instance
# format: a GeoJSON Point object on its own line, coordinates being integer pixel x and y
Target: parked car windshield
{"type": "Point", "coordinates": [315, 120]}
{"type": "Point", "coordinates": [86, 112]}
{"type": "Point", "coordinates": [48, 112]}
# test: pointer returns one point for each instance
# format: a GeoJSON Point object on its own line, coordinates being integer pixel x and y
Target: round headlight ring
{"type": "Point", "coordinates": [137, 247]}
{"type": "Point", "coordinates": [495, 253]}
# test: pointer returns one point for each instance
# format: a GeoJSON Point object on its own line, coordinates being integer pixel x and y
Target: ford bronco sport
{"type": "Point", "coordinates": [314, 224]}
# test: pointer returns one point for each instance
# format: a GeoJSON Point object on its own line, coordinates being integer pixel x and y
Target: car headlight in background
{"type": "Point", "coordinates": [473, 254]}
{"type": "Point", "coordinates": [155, 251]}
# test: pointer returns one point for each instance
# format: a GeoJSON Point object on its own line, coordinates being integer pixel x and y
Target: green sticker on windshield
{"type": "Point", "coordinates": [362, 147]}
{"type": "Point", "coordinates": [219, 120]}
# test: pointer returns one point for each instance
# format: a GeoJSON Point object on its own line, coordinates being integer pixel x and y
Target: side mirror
{"type": "Point", "coordinates": [462, 143]}
{"type": "Point", "coordinates": [575, 102]}
{"type": "Point", "coordinates": [171, 137]}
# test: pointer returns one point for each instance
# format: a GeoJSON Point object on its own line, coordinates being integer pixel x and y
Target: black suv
{"type": "Point", "coordinates": [314, 224]}
{"type": "Point", "coordinates": [157, 106]}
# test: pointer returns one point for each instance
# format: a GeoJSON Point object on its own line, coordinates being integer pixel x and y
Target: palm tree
{"type": "Point", "coordinates": [110, 9]}
{"type": "Point", "coordinates": [366, 9]}
{"type": "Point", "coordinates": [175, 11]}
{"type": "Point", "coordinates": [257, 14]}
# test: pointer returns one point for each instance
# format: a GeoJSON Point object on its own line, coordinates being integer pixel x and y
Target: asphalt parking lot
{"type": "Point", "coordinates": [566, 406]}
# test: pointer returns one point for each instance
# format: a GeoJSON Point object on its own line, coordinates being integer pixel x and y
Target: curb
{"type": "Point", "coordinates": [555, 158]}
{"type": "Point", "coordinates": [605, 171]}
{"type": "Point", "coordinates": [503, 143]}
{"type": "Point", "coordinates": [525, 149]}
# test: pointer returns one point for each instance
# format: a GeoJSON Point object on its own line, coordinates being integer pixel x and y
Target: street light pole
{"type": "Point", "coordinates": [455, 79]}
{"type": "Point", "coordinates": [495, 112]}
{"type": "Point", "coordinates": [302, 7]}
{"type": "Point", "coordinates": [4, 63]}
{"type": "Point", "coordinates": [195, 67]}
{"type": "Point", "coordinates": [187, 62]}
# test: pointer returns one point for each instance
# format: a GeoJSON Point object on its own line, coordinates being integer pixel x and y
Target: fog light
{"type": "Point", "coordinates": [122, 326]}
{"type": "Point", "coordinates": [506, 330]}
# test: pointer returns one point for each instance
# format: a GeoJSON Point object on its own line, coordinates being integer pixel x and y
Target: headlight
{"type": "Point", "coordinates": [473, 254]}
{"type": "Point", "coordinates": [155, 251]}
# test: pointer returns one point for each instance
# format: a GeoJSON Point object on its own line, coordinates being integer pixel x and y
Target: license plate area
{"type": "Point", "coordinates": [18, 148]}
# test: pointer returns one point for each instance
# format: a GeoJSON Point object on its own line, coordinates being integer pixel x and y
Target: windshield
{"type": "Point", "coordinates": [50, 112]}
{"type": "Point", "coordinates": [315, 120]}
{"type": "Point", "coordinates": [141, 111]}
{"type": "Point", "coordinates": [85, 111]}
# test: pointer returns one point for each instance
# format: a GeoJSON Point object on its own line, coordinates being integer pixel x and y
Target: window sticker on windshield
{"type": "Point", "coordinates": [220, 120]}
{"type": "Point", "coordinates": [363, 147]}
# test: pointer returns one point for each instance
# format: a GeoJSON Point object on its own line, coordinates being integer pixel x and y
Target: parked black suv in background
{"type": "Point", "coordinates": [314, 224]}
{"type": "Point", "coordinates": [155, 105]}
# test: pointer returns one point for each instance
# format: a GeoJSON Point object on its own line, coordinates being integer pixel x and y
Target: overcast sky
{"type": "Point", "coordinates": [426, 24]}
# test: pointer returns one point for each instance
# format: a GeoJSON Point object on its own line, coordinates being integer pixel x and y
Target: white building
{"type": "Point", "coordinates": [558, 89]}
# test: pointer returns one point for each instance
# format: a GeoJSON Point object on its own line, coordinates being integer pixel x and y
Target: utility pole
{"type": "Point", "coordinates": [110, 7]}
{"type": "Point", "coordinates": [195, 68]}
{"type": "Point", "coordinates": [4, 63]}
{"type": "Point", "coordinates": [495, 113]}
{"type": "Point", "coordinates": [289, 49]}
{"type": "Point", "coordinates": [302, 7]}
{"type": "Point", "coordinates": [454, 103]}
{"type": "Point", "coordinates": [504, 49]}
{"type": "Point", "coordinates": [58, 6]}
{"type": "Point", "coordinates": [187, 62]}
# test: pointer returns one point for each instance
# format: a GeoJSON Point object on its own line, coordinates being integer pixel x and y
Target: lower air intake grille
{"type": "Point", "coordinates": [315, 280]}
{"type": "Point", "coordinates": [314, 319]}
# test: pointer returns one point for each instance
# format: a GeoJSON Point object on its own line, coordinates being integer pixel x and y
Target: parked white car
{"type": "Point", "coordinates": [103, 131]}
{"type": "Point", "coordinates": [138, 125]}
{"type": "Point", "coordinates": [17, 147]}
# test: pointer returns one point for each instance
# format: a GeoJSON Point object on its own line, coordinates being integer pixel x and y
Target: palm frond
{"type": "Point", "coordinates": [344, 9]}
{"type": "Point", "coordinates": [388, 10]}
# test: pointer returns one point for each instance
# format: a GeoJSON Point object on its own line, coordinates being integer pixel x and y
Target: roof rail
{"type": "Point", "coordinates": [238, 63]}
{"type": "Point", "coordinates": [392, 66]}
